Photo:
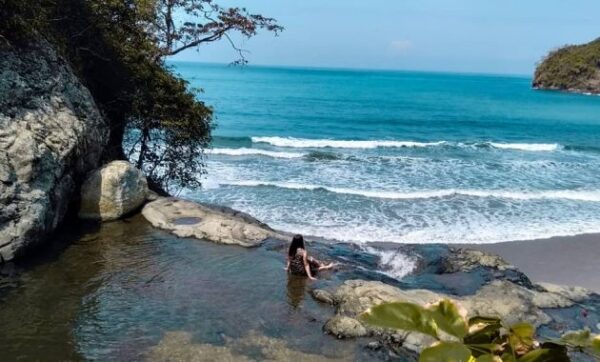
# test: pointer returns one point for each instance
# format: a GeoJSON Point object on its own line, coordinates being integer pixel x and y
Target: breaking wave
{"type": "Point", "coordinates": [578, 195]}
{"type": "Point", "coordinates": [253, 152]}
{"type": "Point", "coordinates": [291, 142]}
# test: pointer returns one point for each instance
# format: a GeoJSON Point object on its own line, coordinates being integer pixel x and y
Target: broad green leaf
{"type": "Point", "coordinates": [483, 348]}
{"type": "Point", "coordinates": [478, 323]}
{"type": "Point", "coordinates": [521, 337]}
{"type": "Point", "coordinates": [485, 320]}
{"type": "Point", "coordinates": [508, 357]}
{"type": "Point", "coordinates": [545, 355]}
{"type": "Point", "coordinates": [404, 316]}
{"type": "Point", "coordinates": [487, 334]}
{"type": "Point", "coordinates": [596, 345]}
{"type": "Point", "coordinates": [448, 317]}
{"type": "Point", "coordinates": [488, 358]}
{"type": "Point", "coordinates": [446, 352]}
{"type": "Point", "coordinates": [523, 330]}
{"type": "Point", "coordinates": [582, 338]}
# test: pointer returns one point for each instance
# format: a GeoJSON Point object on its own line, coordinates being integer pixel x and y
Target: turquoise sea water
{"type": "Point", "coordinates": [401, 156]}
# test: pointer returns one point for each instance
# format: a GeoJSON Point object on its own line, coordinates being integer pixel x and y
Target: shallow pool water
{"type": "Point", "coordinates": [115, 290]}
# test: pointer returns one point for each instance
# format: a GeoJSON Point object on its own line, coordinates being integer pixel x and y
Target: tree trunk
{"type": "Point", "coordinates": [114, 148]}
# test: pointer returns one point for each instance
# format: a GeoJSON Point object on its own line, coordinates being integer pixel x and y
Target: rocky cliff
{"type": "Point", "coordinates": [573, 68]}
{"type": "Point", "coordinates": [51, 135]}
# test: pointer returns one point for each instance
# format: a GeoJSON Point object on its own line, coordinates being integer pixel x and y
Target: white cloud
{"type": "Point", "coordinates": [400, 46]}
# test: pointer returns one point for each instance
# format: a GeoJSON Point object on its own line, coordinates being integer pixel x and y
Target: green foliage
{"type": "Point", "coordinates": [117, 48]}
{"type": "Point", "coordinates": [488, 358]}
{"type": "Point", "coordinates": [596, 344]}
{"type": "Point", "coordinates": [447, 352]}
{"type": "Point", "coordinates": [479, 339]}
{"type": "Point", "coordinates": [521, 338]}
{"type": "Point", "coordinates": [449, 318]}
{"type": "Point", "coordinates": [405, 316]}
{"type": "Point", "coordinates": [580, 339]}
{"type": "Point", "coordinates": [545, 355]}
{"type": "Point", "coordinates": [570, 67]}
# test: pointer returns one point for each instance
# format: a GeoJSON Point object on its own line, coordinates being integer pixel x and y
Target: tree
{"type": "Point", "coordinates": [203, 21]}
{"type": "Point", "coordinates": [118, 48]}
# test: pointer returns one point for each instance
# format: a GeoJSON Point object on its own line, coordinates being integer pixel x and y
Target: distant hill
{"type": "Point", "coordinates": [573, 68]}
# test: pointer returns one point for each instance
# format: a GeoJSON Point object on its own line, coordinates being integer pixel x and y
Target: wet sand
{"type": "Point", "coordinates": [571, 260]}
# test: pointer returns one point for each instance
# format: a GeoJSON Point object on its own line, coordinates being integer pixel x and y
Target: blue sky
{"type": "Point", "coordinates": [481, 36]}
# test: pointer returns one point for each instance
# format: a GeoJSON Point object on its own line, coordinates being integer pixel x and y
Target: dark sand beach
{"type": "Point", "coordinates": [570, 260]}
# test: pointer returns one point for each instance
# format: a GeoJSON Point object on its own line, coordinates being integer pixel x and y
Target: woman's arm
{"type": "Point", "coordinates": [287, 266]}
{"type": "Point", "coordinates": [307, 266]}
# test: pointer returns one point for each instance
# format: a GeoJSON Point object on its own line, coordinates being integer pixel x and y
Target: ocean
{"type": "Point", "coordinates": [395, 156]}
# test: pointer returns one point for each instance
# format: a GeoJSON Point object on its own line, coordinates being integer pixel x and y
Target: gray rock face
{"type": "Point", "coordinates": [220, 225]}
{"type": "Point", "coordinates": [462, 260]}
{"type": "Point", "coordinates": [506, 300]}
{"type": "Point", "coordinates": [112, 191]}
{"type": "Point", "coordinates": [51, 134]}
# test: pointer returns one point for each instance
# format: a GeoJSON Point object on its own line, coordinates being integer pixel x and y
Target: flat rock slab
{"type": "Point", "coordinates": [220, 225]}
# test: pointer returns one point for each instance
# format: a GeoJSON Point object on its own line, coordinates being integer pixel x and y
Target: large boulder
{"type": "Point", "coordinates": [112, 191]}
{"type": "Point", "coordinates": [51, 135]}
{"type": "Point", "coordinates": [220, 225]}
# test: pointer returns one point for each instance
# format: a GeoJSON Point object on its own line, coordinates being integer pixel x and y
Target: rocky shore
{"type": "Point", "coordinates": [52, 136]}
{"type": "Point", "coordinates": [484, 284]}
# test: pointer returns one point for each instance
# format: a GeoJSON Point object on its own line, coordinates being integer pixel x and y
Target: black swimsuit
{"type": "Point", "coordinates": [297, 264]}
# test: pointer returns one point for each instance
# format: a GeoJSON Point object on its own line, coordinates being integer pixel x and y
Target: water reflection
{"type": "Point", "coordinates": [296, 289]}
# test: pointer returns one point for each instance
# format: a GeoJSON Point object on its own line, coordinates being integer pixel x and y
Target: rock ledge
{"type": "Point", "coordinates": [220, 225]}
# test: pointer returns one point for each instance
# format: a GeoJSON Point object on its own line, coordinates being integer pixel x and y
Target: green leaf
{"type": "Point", "coordinates": [488, 358]}
{"type": "Point", "coordinates": [508, 357]}
{"type": "Point", "coordinates": [483, 348]}
{"type": "Point", "coordinates": [488, 334]}
{"type": "Point", "coordinates": [596, 344]}
{"type": "Point", "coordinates": [478, 320]}
{"type": "Point", "coordinates": [446, 352]}
{"type": "Point", "coordinates": [404, 316]}
{"type": "Point", "coordinates": [448, 317]}
{"type": "Point", "coordinates": [582, 338]}
{"type": "Point", "coordinates": [523, 330]}
{"type": "Point", "coordinates": [521, 337]}
{"type": "Point", "coordinates": [545, 355]}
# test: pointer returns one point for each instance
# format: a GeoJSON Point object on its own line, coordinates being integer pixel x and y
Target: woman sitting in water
{"type": "Point", "coordinates": [299, 263]}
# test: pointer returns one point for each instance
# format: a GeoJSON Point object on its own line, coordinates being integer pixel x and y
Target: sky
{"type": "Point", "coordinates": [473, 36]}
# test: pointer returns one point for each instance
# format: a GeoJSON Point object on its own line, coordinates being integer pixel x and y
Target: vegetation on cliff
{"type": "Point", "coordinates": [118, 49]}
{"type": "Point", "coordinates": [574, 68]}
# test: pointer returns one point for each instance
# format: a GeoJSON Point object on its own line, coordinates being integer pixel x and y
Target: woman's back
{"type": "Point", "coordinates": [297, 263]}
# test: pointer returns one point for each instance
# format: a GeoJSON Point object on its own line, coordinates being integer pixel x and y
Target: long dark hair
{"type": "Point", "coordinates": [297, 243]}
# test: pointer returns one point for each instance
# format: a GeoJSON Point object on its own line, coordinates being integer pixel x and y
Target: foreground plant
{"type": "Point", "coordinates": [477, 339]}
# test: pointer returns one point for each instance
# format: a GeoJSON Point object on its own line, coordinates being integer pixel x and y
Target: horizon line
{"type": "Point", "coordinates": [358, 69]}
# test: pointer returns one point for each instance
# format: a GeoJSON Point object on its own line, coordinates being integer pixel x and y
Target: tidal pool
{"type": "Point", "coordinates": [126, 291]}
{"type": "Point", "coordinates": [115, 291]}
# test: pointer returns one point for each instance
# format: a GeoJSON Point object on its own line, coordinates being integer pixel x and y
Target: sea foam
{"type": "Point", "coordinates": [527, 146]}
{"type": "Point", "coordinates": [292, 142]}
{"type": "Point", "coordinates": [253, 152]}
{"type": "Point", "coordinates": [392, 262]}
{"type": "Point", "coordinates": [323, 143]}
{"type": "Point", "coordinates": [577, 195]}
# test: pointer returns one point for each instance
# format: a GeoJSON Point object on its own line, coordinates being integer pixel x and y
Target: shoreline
{"type": "Point", "coordinates": [565, 260]}
{"type": "Point", "coordinates": [572, 260]}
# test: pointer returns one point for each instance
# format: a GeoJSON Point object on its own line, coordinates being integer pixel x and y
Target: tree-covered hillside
{"type": "Point", "coordinates": [574, 68]}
